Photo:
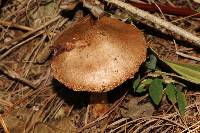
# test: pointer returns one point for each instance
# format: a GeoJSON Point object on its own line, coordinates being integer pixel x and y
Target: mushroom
{"type": "Point", "coordinates": [98, 55]}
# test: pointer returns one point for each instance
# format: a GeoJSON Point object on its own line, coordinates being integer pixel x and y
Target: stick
{"type": "Point", "coordinates": [156, 20]}
{"type": "Point", "coordinates": [12, 24]}
{"type": "Point", "coordinates": [12, 74]}
{"type": "Point", "coordinates": [11, 49]}
{"type": "Point", "coordinates": [4, 125]}
{"type": "Point", "coordinates": [13, 42]}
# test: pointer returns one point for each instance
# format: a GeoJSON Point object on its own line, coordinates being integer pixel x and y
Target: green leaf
{"type": "Point", "coordinates": [143, 84]}
{"type": "Point", "coordinates": [155, 90]}
{"type": "Point", "coordinates": [189, 72]}
{"type": "Point", "coordinates": [198, 9]}
{"type": "Point", "coordinates": [171, 92]}
{"type": "Point", "coordinates": [181, 102]}
{"type": "Point", "coordinates": [151, 64]}
{"type": "Point", "coordinates": [141, 88]}
{"type": "Point", "coordinates": [136, 83]}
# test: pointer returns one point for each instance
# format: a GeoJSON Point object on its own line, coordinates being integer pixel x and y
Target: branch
{"type": "Point", "coordinates": [156, 20]}
{"type": "Point", "coordinates": [168, 9]}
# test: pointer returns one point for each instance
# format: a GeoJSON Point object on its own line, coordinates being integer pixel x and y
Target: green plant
{"type": "Point", "coordinates": [158, 83]}
{"type": "Point", "coordinates": [198, 9]}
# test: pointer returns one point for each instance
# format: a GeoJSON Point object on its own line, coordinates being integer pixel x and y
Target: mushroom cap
{"type": "Point", "coordinates": [97, 56]}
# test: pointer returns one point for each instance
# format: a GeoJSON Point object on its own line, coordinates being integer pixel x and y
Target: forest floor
{"type": "Point", "coordinates": [31, 100]}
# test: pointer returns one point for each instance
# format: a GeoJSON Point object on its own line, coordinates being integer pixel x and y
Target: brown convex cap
{"type": "Point", "coordinates": [97, 56]}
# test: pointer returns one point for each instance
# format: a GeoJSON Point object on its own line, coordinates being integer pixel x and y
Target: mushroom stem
{"type": "Point", "coordinates": [99, 104]}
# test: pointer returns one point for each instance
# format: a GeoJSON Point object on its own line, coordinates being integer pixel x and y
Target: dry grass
{"type": "Point", "coordinates": [30, 99]}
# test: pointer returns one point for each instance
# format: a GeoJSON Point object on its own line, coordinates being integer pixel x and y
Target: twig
{"type": "Point", "coordinates": [70, 110]}
{"type": "Point", "coordinates": [156, 20]}
{"type": "Point", "coordinates": [193, 131]}
{"type": "Point", "coordinates": [184, 55]}
{"type": "Point", "coordinates": [13, 42]}
{"type": "Point", "coordinates": [193, 125]}
{"type": "Point", "coordinates": [4, 125]}
{"type": "Point", "coordinates": [183, 18]}
{"type": "Point", "coordinates": [87, 115]}
{"type": "Point", "coordinates": [6, 103]}
{"type": "Point", "coordinates": [106, 114]}
{"type": "Point", "coordinates": [11, 24]}
{"type": "Point", "coordinates": [12, 74]}
{"type": "Point", "coordinates": [19, 45]}
{"type": "Point", "coordinates": [188, 56]}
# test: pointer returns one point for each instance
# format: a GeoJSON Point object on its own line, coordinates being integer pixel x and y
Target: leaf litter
{"type": "Point", "coordinates": [32, 101]}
